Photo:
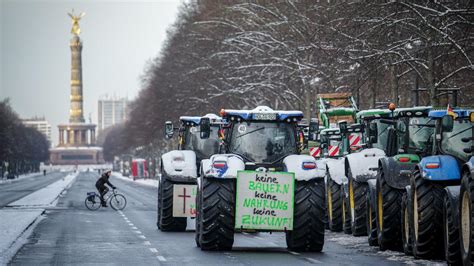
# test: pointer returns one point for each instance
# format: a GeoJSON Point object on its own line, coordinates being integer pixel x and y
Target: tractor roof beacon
{"type": "Point", "coordinates": [448, 167]}
{"type": "Point", "coordinates": [180, 167]}
{"type": "Point", "coordinates": [259, 141]}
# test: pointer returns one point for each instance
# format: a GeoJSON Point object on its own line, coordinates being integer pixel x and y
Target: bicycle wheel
{"type": "Point", "coordinates": [118, 202]}
{"type": "Point", "coordinates": [93, 204]}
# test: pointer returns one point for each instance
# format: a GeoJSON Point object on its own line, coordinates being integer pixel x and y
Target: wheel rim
{"type": "Point", "coordinates": [465, 222]}
{"type": "Point", "coordinates": [351, 201]}
{"type": "Point", "coordinates": [415, 215]}
{"type": "Point", "coordinates": [330, 202]}
{"type": "Point", "coordinates": [118, 202]}
{"type": "Point", "coordinates": [93, 205]}
{"type": "Point", "coordinates": [406, 224]}
{"type": "Point", "coordinates": [380, 209]}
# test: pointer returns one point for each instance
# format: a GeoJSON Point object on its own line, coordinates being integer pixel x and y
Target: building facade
{"type": "Point", "coordinates": [111, 112]}
{"type": "Point", "coordinates": [40, 124]}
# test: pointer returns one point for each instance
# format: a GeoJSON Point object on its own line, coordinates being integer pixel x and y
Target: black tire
{"type": "Point", "coordinates": [346, 214]}
{"type": "Point", "coordinates": [165, 206]}
{"type": "Point", "coordinates": [452, 252]}
{"type": "Point", "coordinates": [357, 191]}
{"type": "Point", "coordinates": [406, 220]}
{"type": "Point", "coordinates": [371, 221]}
{"type": "Point", "coordinates": [427, 218]}
{"type": "Point", "coordinates": [466, 219]}
{"type": "Point", "coordinates": [197, 236]}
{"type": "Point", "coordinates": [388, 209]}
{"type": "Point", "coordinates": [93, 204]}
{"type": "Point", "coordinates": [308, 220]}
{"type": "Point", "coordinates": [217, 214]}
{"type": "Point", "coordinates": [334, 210]}
{"type": "Point", "coordinates": [118, 202]}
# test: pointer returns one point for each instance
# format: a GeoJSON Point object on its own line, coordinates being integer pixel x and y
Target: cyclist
{"type": "Point", "coordinates": [100, 185]}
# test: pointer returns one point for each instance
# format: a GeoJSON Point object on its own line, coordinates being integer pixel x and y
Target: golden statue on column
{"type": "Point", "coordinates": [76, 30]}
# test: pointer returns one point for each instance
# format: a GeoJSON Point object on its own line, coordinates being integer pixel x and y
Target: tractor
{"type": "Point", "coordinates": [408, 140]}
{"type": "Point", "coordinates": [179, 170]}
{"type": "Point", "coordinates": [360, 168]}
{"type": "Point", "coordinates": [430, 213]}
{"type": "Point", "coordinates": [259, 182]}
{"type": "Point", "coordinates": [336, 107]}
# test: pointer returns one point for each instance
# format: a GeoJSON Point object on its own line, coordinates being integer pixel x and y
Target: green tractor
{"type": "Point", "coordinates": [336, 107]}
{"type": "Point", "coordinates": [408, 140]}
{"type": "Point", "coordinates": [360, 167]}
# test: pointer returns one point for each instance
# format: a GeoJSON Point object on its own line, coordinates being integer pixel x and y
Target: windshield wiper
{"type": "Point", "coordinates": [421, 126]}
{"type": "Point", "coordinates": [255, 130]}
{"type": "Point", "coordinates": [460, 132]}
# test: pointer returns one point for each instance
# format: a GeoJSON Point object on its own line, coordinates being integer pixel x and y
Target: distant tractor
{"type": "Point", "coordinates": [336, 107]}
{"type": "Point", "coordinates": [180, 168]}
{"type": "Point", "coordinates": [259, 182]}
{"type": "Point", "coordinates": [432, 203]}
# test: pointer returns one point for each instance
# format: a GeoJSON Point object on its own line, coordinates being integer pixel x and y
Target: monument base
{"type": "Point", "coordinates": [76, 155]}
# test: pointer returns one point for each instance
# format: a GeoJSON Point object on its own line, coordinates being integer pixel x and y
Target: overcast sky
{"type": "Point", "coordinates": [118, 40]}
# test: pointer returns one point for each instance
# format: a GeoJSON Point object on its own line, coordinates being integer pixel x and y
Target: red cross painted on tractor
{"type": "Point", "coordinates": [184, 196]}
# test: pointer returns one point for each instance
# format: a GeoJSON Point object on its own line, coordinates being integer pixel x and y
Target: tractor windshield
{"type": "Point", "coordinates": [203, 148]}
{"type": "Point", "coordinates": [263, 142]}
{"type": "Point", "coordinates": [451, 142]}
{"type": "Point", "coordinates": [419, 130]}
{"type": "Point", "coordinates": [382, 135]}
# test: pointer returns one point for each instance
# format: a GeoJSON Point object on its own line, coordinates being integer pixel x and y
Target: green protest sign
{"type": "Point", "coordinates": [264, 200]}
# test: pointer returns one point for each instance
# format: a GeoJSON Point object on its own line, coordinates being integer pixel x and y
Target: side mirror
{"type": "Point", "coordinates": [373, 139]}
{"type": "Point", "coordinates": [343, 127]}
{"type": "Point", "coordinates": [373, 132]}
{"type": "Point", "coordinates": [447, 123]}
{"type": "Point", "coordinates": [205, 127]}
{"type": "Point", "coordinates": [169, 130]}
{"type": "Point", "coordinates": [313, 130]}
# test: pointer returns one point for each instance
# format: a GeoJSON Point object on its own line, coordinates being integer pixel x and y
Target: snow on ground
{"type": "Point", "coordinates": [362, 246]}
{"type": "Point", "coordinates": [4, 180]}
{"type": "Point", "coordinates": [45, 197]}
{"type": "Point", "coordinates": [13, 224]}
{"type": "Point", "coordinates": [146, 182]}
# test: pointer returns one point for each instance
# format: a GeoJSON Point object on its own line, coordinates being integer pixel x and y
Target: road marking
{"type": "Point", "coordinates": [134, 228]}
{"type": "Point", "coordinates": [142, 236]}
{"type": "Point", "coordinates": [147, 243]}
{"type": "Point", "coordinates": [294, 253]}
{"type": "Point", "coordinates": [130, 224]}
{"type": "Point", "coordinates": [161, 258]}
{"type": "Point", "coordinates": [137, 232]}
{"type": "Point", "coordinates": [154, 250]}
{"type": "Point", "coordinates": [313, 260]}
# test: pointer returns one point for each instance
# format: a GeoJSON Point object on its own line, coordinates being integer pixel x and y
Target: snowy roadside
{"type": "Point", "coordinates": [146, 182]}
{"type": "Point", "coordinates": [19, 218]}
{"type": "Point", "coordinates": [2, 181]}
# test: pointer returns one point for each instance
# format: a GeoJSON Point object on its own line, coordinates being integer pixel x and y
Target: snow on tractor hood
{"type": "Point", "coordinates": [362, 162]}
{"type": "Point", "coordinates": [179, 163]}
{"type": "Point", "coordinates": [223, 166]}
{"type": "Point", "coordinates": [295, 164]}
{"type": "Point", "coordinates": [336, 170]}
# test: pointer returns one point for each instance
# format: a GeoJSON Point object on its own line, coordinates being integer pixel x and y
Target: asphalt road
{"type": "Point", "coordinates": [17, 189]}
{"type": "Point", "coordinates": [71, 234]}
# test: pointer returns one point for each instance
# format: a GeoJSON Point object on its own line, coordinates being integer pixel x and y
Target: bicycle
{"type": "Point", "coordinates": [116, 201]}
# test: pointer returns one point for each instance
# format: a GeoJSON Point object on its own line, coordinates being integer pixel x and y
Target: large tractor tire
{"type": "Point", "coordinates": [466, 217]}
{"type": "Point", "coordinates": [357, 191]}
{"type": "Point", "coordinates": [308, 219]}
{"type": "Point", "coordinates": [198, 219]}
{"type": "Point", "coordinates": [406, 224]}
{"type": "Point", "coordinates": [346, 213]}
{"type": "Point", "coordinates": [388, 214]}
{"type": "Point", "coordinates": [166, 221]}
{"type": "Point", "coordinates": [452, 252]}
{"type": "Point", "coordinates": [427, 218]}
{"type": "Point", "coordinates": [334, 205]}
{"type": "Point", "coordinates": [371, 220]}
{"type": "Point", "coordinates": [217, 214]}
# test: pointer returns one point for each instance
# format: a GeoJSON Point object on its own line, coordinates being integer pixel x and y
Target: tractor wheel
{"type": "Point", "coordinates": [357, 191]}
{"type": "Point", "coordinates": [406, 223]}
{"type": "Point", "coordinates": [427, 217]}
{"type": "Point", "coordinates": [466, 216]}
{"type": "Point", "coordinates": [217, 214]}
{"type": "Point", "coordinates": [388, 214]}
{"type": "Point", "coordinates": [166, 220]}
{"type": "Point", "coordinates": [371, 221]}
{"type": "Point", "coordinates": [333, 191]}
{"type": "Point", "coordinates": [308, 220]}
{"type": "Point", "coordinates": [346, 213]}
{"type": "Point", "coordinates": [452, 252]}
{"type": "Point", "coordinates": [158, 211]}
{"type": "Point", "coordinates": [197, 236]}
